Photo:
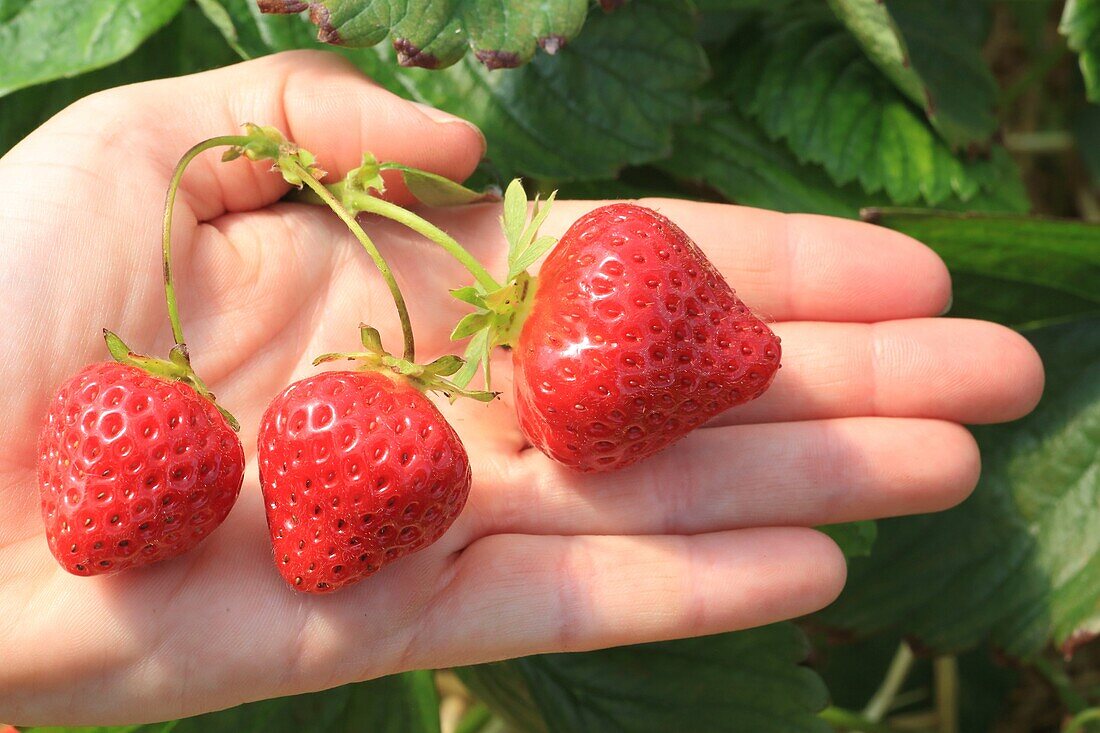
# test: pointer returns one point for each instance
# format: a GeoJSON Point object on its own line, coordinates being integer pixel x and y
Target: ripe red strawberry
{"type": "Point", "coordinates": [633, 340]}
{"type": "Point", "coordinates": [133, 469]}
{"type": "Point", "coordinates": [358, 469]}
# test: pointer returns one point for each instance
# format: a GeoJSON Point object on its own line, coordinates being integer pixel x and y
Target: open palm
{"type": "Point", "coordinates": [712, 535]}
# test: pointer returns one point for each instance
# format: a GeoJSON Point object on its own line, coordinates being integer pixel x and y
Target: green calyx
{"type": "Point", "coordinates": [432, 377]}
{"type": "Point", "coordinates": [502, 311]}
{"type": "Point", "coordinates": [267, 143]}
{"type": "Point", "coordinates": [177, 367]}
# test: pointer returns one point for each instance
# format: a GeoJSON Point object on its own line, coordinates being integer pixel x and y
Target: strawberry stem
{"type": "Point", "coordinates": [363, 201]}
{"type": "Point", "coordinates": [349, 219]}
{"type": "Point", "coordinates": [169, 207]}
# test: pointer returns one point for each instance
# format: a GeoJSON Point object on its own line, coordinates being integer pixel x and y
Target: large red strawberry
{"type": "Point", "coordinates": [133, 469]}
{"type": "Point", "coordinates": [629, 338]}
{"type": "Point", "coordinates": [358, 469]}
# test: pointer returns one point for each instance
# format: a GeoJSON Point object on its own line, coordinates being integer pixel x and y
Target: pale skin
{"type": "Point", "coordinates": [863, 420]}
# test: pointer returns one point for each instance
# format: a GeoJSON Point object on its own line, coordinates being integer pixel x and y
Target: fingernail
{"type": "Point", "coordinates": [446, 118]}
{"type": "Point", "coordinates": [950, 302]}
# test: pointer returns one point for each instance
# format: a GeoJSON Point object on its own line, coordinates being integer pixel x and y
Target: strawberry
{"type": "Point", "coordinates": [633, 340]}
{"type": "Point", "coordinates": [133, 469]}
{"type": "Point", "coordinates": [358, 469]}
{"type": "Point", "coordinates": [628, 339]}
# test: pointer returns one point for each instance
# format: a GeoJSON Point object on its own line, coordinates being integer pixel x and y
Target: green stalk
{"type": "Point", "coordinates": [852, 721]}
{"type": "Point", "coordinates": [1079, 722]}
{"type": "Point", "coordinates": [883, 698]}
{"type": "Point", "coordinates": [169, 208]}
{"type": "Point", "coordinates": [338, 208]}
{"type": "Point", "coordinates": [362, 201]}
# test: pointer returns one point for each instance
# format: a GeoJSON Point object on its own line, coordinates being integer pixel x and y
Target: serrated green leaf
{"type": "Point", "coordinates": [470, 324]}
{"type": "Point", "coordinates": [186, 45]}
{"type": "Point", "coordinates": [746, 681]}
{"type": "Point", "coordinates": [540, 210]}
{"type": "Point", "coordinates": [1019, 562]}
{"type": "Point", "coordinates": [802, 77]}
{"type": "Point", "coordinates": [569, 116]}
{"type": "Point", "coordinates": [855, 539]}
{"type": "Point", "coordinates": [37, 43]}
{"type": "Point", "coordinates": [581, 113]}
{"type": "Point", "coordinates": [730, 153]}
{"type": "Point", "coordinates": [1081, 27]}
{"type": "Point", "coordinates": [432, 34]}
{"type": "Point", "coordinates": [532, 254]}
{"type": "Point", "coordinates": [1011, 269]}
{"type": "Point", "coordinates": [469, 294]}
{"type": "Point", "coordinates": [932, 57]}
{"type": "Point", "coordinates": [404, 702]}
{"type": "Point", "coordinates": [433, 189]}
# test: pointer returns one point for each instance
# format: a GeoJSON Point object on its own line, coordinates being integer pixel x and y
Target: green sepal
{"type": "Point", "coordinates": [470, 324]}
{"type": "Point", "coordinates": [432, 189]}
{"type": "Point", "coordinates": [471, 295]}
{"type": "Point", "coordinates": [430, 377]}
{"type": "Point", "coordinates": [500, 314]}
{"type": "Point", "coordinates": [177, 367]}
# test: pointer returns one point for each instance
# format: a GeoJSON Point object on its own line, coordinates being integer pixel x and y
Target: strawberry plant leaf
{"type": "Point", "coordinates": [37, 42]}
{"type": "Point", "coordinates": [501, 33]}
{"type": "Point", "coordinates": [581, 113]}
{"type": "Point", "coordinates": [803, 78]}
{"type": "Point", "coordinates": [569, 116]}
{"type": "Point", "coordinates": [855, 539]}
{"type": "Point", "coordinates": [1018, 563]}
{"type": "Point", "coordinates": [932, 56]}
{"type": "Point", "coordinates": [405, 702]}
{"type": "Point", "coordinates": [1081, 27]}
{"type": "Point", "coordinates": [749, 680]}
{"type": "Point", "coordinates": [1011, 269]}
{"type": "Point", "coordinates": [732, 154]}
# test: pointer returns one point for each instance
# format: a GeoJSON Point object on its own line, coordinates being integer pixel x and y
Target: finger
{"type": "Point", "coordinates": [945, 368]}
{"type": "Point", "coordinates": [784, 474]}
{"type": "Point", "coordinates": [518, 594]}
{"type": "Point", "coordinates": [785, 267]}
{"type": "Point", "coordinates": [318, 99]}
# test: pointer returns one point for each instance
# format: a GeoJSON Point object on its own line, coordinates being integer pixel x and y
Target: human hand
{"type": "Point", "coordinates": [708, 536]}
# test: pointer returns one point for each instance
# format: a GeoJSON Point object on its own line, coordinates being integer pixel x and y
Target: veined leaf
{"type": "Point", "coordinates": [804, 79]}
{"type": "Point", "coordinates": [404, 702]}
{"type": "Point", "coordinates": [577, 114]}
{"type": "Point", "coordinates": [433, 189]}
{"type": "Point", "coordinates": [1011, 269]}
{"type": "Point", "coordinates": [1081, 27]}
{"type": "Point", "coordinates": [932, 55]}
{"type": "Point", "coordinates": [729, 152]}
{"type": "Point", "coordinates": [749, 680]}
{"type": "Point", "coordinates": [186, 45]}
{"type": "Point", "coordinates": [53, 39]}
{"type": "Point", "coordinates": [1019, 562]}
{"type": "Point", "coordinates": [432, 34]}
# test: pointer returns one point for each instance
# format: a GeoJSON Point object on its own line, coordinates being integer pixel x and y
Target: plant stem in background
{"type": "Point", "coordinates": [945, 671]}
{"type": "Point", "coordinates": [896, 674]}
{"type": "Point", "coordinates": [1079, 722]}
{"type": "Point", "coordinates": [850, 720]}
